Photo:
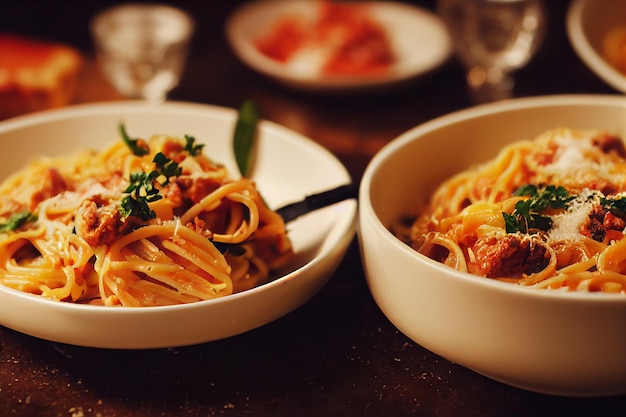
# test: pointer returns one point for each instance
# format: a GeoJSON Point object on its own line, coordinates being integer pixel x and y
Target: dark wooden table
{"type": "Point", "coordinates": [335, 356]}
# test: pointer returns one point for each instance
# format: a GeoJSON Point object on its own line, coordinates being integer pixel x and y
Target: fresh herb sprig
{"type": "Point", "coordinates": [529, 214]}
{"type": "Point", "coordinates": [192, 147]}
{"type": "Point", "coordinates": [165, 168]}
{"type": "Point", "coordinates": [137, 146]}
{"type": "Point", "coordinates": [616, 206]}
{"type": "Point", "coordinates": [142, 189]}
{"type": "Point", "coordinates": [17, 220]}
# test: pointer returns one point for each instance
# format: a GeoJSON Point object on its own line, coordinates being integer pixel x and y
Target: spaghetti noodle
{"type": "Point", "coordinates": [545, 213]}
{"type": "Point", "coordinates": [141, 223]}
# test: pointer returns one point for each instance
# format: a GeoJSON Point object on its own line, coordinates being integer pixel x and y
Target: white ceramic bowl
{"type": "Point", "coordinates": [283, 174]}
{"type": "Point", "coordinates": [418, 37]}
{"type": "Point", "coordinates": [587, 23]}
{"type": "Point", "coordinates": [570, 344]}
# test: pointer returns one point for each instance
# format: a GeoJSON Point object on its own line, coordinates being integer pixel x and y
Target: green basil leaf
{"type": "Point", "coordinates": [244, 137]}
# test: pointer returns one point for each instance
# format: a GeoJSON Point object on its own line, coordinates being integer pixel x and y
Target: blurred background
{"type": "Point", "coordinates": [214, 75]}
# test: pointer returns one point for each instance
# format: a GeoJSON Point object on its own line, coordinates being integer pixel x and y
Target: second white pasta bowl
{"type": "Point", "coordinates": [597, 31]}
{"type": "Point", "coordinates": [548, 341]}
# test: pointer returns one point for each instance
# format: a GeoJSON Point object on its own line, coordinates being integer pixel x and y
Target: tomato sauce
{"type": "Point", "coordinates": [352, 42]}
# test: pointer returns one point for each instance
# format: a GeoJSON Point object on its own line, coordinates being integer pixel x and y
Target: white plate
{"type": "Point", "coordinates": [588, 21]}
{"type": "Point", "coordinates": [283, 174]}
{"type": "Point", "coordinates": [418, 37]}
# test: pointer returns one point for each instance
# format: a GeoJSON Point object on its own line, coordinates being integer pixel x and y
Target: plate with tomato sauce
{"type": "Point", "coordinates": [323, 45]}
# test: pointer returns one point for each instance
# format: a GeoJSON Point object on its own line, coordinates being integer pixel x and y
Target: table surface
{"type": "Point", "coordinates": [335, 355]}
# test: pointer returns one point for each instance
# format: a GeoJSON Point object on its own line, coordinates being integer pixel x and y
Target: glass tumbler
{"type": "Point", "coordinates": [142, 48]}
{"type": "Point", "coordinates": [493, 38]}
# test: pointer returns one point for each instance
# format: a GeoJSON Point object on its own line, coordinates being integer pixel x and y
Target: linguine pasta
{"type": "Point", "coordinates": [545, 213]}
{"type": "Point", "coordinates": [144, 223]}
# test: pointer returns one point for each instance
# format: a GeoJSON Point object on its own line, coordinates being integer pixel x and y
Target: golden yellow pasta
{"type": "Point", "coordinates": [141, 223]}
{"type": "Point", "coordinates": [545, 213]}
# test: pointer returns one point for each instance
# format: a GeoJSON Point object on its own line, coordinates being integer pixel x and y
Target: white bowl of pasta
{"type": "Point", "coordinates": [597, 32]}
{"type": "Point", "coordinates": [526, 287]}
{"type": "Point", "coordinates": [127, 225]}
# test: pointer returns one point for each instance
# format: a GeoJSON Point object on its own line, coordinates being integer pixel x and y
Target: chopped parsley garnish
{"type": "Point", "coordinates": [17, 220]}
{"type": "Point", "coordinates": [142, 190]}
{"type": "Point", "coordinates": [137, 146]}
{"type": "Point", "coordinates": [529, 214]}
{"type": "Point", "coordinates": [191, 147]}
{"type": "Point", "coordinates": [615, 206]}
{"type": "Point", "coordinates": [165, 167]}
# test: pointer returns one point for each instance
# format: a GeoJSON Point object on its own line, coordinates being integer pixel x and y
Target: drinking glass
{"type": "Point", "coordinates": [142, 48]}
{"type": "Point", "coordinates": [493, 38]}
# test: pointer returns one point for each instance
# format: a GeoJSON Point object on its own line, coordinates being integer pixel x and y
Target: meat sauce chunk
{"type": "Point", "coordinates": [508, 257]}
{"type": "Point", "coordinates": [609, 143]}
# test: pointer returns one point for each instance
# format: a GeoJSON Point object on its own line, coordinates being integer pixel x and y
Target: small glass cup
{"type": "Point", "coordinates": [492, 39]}
{"type": "Point", "coordinates": [142, 48]}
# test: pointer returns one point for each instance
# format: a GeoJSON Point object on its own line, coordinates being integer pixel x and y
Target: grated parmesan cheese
{"type": "Point", "coordinates": [566, 226]}
{"type": "Point", "coordinates": [572, 151]}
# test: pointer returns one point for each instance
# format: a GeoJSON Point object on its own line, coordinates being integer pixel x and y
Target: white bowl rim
{"type": "Point", "coordinates": [85, 109]}
{"type": "Point", "coordinates": [366, 210]}
{"type": "Point", "coordinates": [585, 51]}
